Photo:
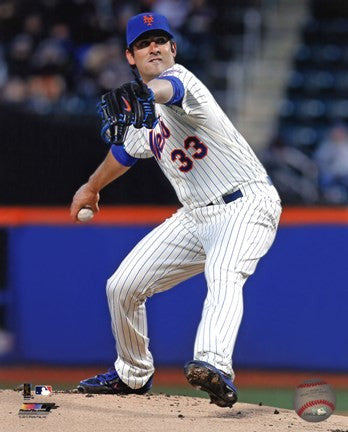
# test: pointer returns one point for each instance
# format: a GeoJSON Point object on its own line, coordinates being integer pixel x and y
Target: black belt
{"type": "Point", "coordinates": [230, 197]}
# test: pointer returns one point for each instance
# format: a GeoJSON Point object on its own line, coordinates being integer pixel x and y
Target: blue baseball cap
{"type": "Point", "coordinates": [145, 22]}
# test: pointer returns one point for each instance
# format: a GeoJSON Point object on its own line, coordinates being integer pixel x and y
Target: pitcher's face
{"type": "Point", "coordinates": [152, 54]}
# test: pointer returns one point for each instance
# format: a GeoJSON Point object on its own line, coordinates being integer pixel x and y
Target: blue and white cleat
{"type": "Point", "coordinates": [216, 383]}
{"type": "Point", "coordinates": [110, 383]}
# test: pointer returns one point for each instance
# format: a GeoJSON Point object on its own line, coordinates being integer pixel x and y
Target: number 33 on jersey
{"type": "Point", "coordinates": [194, 147]}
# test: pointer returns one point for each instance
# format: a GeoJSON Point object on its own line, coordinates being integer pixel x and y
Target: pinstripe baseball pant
{"type": "Point", "coordinates": [226, 242]}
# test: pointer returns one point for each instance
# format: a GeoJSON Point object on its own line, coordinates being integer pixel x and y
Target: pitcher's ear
{"type": "Point", "coordinates": [173, 47]}
{"type": "Point", "coordinates": [130, 56]}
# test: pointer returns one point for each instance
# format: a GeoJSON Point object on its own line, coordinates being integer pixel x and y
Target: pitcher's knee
{"type": "Point", "coordinates": [115, 285]}
{"type": "Point", "coordinates": [123, 290]}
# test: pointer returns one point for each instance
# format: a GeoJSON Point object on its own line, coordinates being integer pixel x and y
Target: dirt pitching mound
{"type": "Point", "coordinates": [149, 413]}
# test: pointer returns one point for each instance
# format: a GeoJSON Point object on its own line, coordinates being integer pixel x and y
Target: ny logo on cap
{"type": "Point", "coordinates": [148, 19]}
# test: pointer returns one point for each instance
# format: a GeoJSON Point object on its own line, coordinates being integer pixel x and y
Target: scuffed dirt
{"type": "Point", "coordinates": [163, 413]}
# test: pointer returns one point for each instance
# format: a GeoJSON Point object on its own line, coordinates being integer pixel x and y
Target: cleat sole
{"type": "Point", "coordinates": [211, 382]}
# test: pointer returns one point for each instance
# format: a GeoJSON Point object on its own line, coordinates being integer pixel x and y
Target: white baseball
{"type": "Point", "coordinates": [314, 400]}
{"type": "Point", "coordinates": [85, 214]}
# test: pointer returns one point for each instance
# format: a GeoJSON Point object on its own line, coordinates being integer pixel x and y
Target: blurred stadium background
{"type": "Point", "coordinates": [279, 68]}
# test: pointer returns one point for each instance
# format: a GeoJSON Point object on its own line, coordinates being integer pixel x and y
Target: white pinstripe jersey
{"type": "Point", "coordinates": [197, 147]}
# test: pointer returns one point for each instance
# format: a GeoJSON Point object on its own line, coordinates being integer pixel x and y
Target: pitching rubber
{"type": "Point", "coordinates": [94, 390]}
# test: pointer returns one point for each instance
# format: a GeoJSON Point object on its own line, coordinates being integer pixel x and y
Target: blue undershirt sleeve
{"type": "Point", "coordinates": [122, 156]}
{"type": "Point", "coordinates": [178, 90]}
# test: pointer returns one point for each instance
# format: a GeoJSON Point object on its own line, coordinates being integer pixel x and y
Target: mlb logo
{"type": "Point", "coordinates": [43, 390]}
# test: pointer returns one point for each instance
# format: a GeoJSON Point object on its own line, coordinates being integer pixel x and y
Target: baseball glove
{"type": "Point", "coordinates": [130, 104]}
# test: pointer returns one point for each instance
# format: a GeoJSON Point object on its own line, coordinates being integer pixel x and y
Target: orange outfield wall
{"type": "Point", "coordinates": [152, 215]}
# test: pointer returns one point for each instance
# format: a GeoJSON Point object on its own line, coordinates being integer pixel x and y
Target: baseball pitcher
{"type": "Point", "coordinates": [228, 219]}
